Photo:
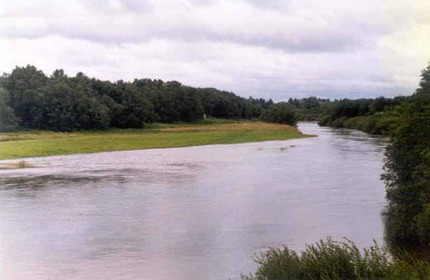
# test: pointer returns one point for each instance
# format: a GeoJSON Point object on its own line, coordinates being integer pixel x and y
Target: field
{"type": "Point", "coordinates": [42, 143]}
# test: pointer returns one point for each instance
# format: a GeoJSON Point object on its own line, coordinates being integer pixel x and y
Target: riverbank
{"type": "Point", "coordinates": [41, 143]}
{"type": "Point", "coordinates": [378, 124]}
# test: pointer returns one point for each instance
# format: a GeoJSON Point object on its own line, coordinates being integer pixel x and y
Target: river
{"type": "Point", "coordinates": [188, 213]}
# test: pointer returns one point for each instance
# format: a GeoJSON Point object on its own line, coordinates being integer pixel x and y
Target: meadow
{"type": "Point", "coordinates": [43, 143]}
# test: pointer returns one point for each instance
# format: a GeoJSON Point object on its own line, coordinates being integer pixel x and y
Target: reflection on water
{"type": "Point", "coordinates": [187, 213]}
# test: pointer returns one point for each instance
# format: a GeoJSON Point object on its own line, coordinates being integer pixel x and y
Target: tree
{"type": "Point", "coordinates": [69, 105]}
{"type": "Point", "coordinates": [282, 113]}
{"type": "Point", "coordinates": [407, 174]}
{"type": "Point", "coordinates": [423, 92]}
{"type": "Point", "coordinates": [8, 120]}
{"type": "Point", "coordinates": [23, 85]}
{"type": "Point", "coordinates": [130, 108]}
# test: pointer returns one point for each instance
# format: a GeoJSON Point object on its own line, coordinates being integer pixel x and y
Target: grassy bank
{"type": "Point", "coordinates": [39, 143]}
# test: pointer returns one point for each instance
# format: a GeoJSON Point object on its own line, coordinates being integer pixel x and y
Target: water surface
{"type": "Point", "coordinates": [187, 213]}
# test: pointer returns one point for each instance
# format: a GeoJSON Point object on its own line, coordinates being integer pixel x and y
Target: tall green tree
{"type": "Point", "coordinates": [8, 121]}
{"type": "Point", "coordinates": [423, 92]}
{"type": "Point", "coordinates": [130, 108]}
{"type": "Point", "coordinates": [24, 85]}
{"type": "Point", "coordinates": [69, 105]}
{"type": "Point", "coordinates": [407, 174]}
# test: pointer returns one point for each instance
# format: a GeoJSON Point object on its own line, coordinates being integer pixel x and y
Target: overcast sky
{"type": "Point", "coordinates": [264, 48]}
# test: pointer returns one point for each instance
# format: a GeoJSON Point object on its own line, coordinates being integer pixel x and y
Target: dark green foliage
{"type": "Point", "coordinates": [23, 85]}
{"type": "Point", "coordinates": [407, 176]}
{"type": "Point", "coordinates": [129, 108]}
{"type": "Point", "coordinates": [173, 101]}
{"type": "Point", "coordinates": [423, 225]}
{"type": "Point", "coordinates": [282, 113]}
{"type": "Point", "coordinates": [423, 92]}
{"type": "Point", "coordinates": [8, 120]}
{"type": "Point", "coordinates": [331, 260]}
{"type": "Point", "coordinates": [67, 103]}
{"type": "Point", "coordinates": [310, 108]}
{"type": "Point", "coordinates": [375, 116]}
{"type": "Point", "coordinates": [222, 104]}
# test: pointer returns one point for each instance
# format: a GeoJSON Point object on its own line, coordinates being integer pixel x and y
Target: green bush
{"type": "Point", "coordinates": [331, 260]}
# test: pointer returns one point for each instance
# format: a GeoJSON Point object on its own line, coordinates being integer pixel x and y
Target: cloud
{"type": "Point", "coordinates": [273, 49]}
{"type": "Point", "coordinates": [297, 28]}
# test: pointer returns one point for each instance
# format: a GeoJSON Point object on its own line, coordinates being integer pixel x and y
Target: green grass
{"type": "Point", "coordinates": [40, 143]}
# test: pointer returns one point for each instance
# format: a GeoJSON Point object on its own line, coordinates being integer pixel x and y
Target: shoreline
{"type": "Point", "coordinates": [42, 144]}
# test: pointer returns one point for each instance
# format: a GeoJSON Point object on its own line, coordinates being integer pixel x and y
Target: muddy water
{"type": "Point", "coordinates": [187, 213]}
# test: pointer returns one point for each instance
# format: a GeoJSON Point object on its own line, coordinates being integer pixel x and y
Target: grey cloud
{"type": "Point", "coordinates": [271, 4]}
{"type": "Point", "coordinates": [277, 30]}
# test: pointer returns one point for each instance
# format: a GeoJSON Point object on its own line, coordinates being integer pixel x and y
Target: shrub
{"type": "Point", "coordinates": [330, 260]}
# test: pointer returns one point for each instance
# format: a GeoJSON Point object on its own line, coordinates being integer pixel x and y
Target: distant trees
{"type": "Point", "coordinates": [309, 108]}
{"type": "Point", "coordinates": [68, 104]}
{"type": "Point", "coordinates": [173, 101]}
{"type": "Point", "coordinates": [376, 116]}
{"type": "Point", "coordinates": [63, 103]}
{"type": "Point", "coordinates": [222, 104]}
{"type": "Point", "coordinates": [282, 113]}
{"type": "Point", "coordinates": [30, 99]}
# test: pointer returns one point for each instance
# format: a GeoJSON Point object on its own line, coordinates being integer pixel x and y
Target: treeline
{"type": "Point", "coordinates": [375, 116]}
{"type": "Point", "coordinates": [30, 99]}
{"type": "Point", "coordinates": [309, 108]}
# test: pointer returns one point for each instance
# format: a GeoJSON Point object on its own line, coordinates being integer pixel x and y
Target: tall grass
{"type": "Point", "coordinates": [333, 260]}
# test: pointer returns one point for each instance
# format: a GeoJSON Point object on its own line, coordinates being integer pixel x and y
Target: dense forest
{"type": "Point", "coordinates": [31, 100]}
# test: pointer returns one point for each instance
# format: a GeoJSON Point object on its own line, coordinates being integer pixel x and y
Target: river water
{"type": "Point", "coordinates": [188, 213]}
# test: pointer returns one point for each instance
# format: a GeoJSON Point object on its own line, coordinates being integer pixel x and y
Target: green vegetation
{"type": "Point", "coordinates": [8, 120]}
{"type": "Point", "coordinates": [407, 175]}
{"type": "Point", "coordinates": [282, 113]}
{"type": "Point", "coordinates": [31, 100]}
{"type": "Point", "coordinates": [407, 178]}
{"type": "Point", "coordinates": [375, 116]}
{"type": "Point", "coordinates": [35, 143]}
{"type": "Point", "coordinates": [331, 260]}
